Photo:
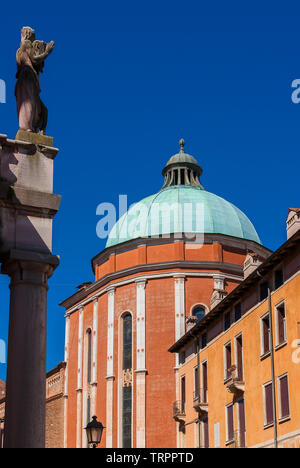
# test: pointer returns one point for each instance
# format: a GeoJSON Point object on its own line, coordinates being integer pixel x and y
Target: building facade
{"type": "Point", "coordinates": [168, 261]}
{"type": "Point", "coordinates": [54, 407]}
{"type": "Point", "coordinates": [239, 368]}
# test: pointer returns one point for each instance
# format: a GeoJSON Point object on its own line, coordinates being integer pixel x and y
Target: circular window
{"type": "Point", "coordinates": [199, 313]}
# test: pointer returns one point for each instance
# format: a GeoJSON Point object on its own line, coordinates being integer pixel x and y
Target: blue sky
{"type": "Point", "coordinates": [126, 80]}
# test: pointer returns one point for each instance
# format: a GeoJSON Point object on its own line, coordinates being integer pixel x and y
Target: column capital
{"type": "Point", "coordinates": [111, 289]}
{"type": "Point", "coordinates": [141, 282]}
{"type": "Point", "coordinates": [179, 276]}
{"type": "Point", "coordinates": [32, 262]}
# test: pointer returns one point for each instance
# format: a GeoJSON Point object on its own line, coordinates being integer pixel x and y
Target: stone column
{"type": "Point", "coordinates": [141, 363]}
{"type": "Point", "coordinates": [179, 305]}
{"type": "Point", "coordinates": [179, 308]}
{"type": "Point", "coordinates": [26, 363]}
{"type": "Point", "coordinates": [110, 367]}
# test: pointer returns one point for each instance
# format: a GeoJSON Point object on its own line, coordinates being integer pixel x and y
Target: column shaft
{"type": "Point", "coordinates": [26, 364]}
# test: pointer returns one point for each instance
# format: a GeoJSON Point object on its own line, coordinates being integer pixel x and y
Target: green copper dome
{"type": "Point", "coordinates": [182, 206]}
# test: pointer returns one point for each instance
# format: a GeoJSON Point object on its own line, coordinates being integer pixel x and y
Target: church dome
{"type": "Point", "coordinates": [182, 206]}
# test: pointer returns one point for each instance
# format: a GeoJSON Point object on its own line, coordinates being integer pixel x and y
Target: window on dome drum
{"type": "Point", "coordinates": [280, 318]}
{"type": "Point", "coordinates": [268, 403]}
{"type": "Point", "coordinates": [199, 313]}
{"type": "Point", "coordinates": [265, 334]}
{"type": "Point", "coordinates": [227, 321]}
{"type": "Point", "coordinates": [278, 278]}
{"type": "Point", "coordinates": [237, 312]}
{"type": "Point", "coordinates": [227, 361]}
{"type": "Point", "coordinates": [127, 382]}
{"type": "Point", "coordinates": [263, 290]}
{"type": "Point", "coordinates": [284, 402]}
{"type": "Point", "coordinates": [89, 356]}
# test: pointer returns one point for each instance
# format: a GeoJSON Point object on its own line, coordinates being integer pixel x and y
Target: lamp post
{"type": "Point", "coordinates": [94, 431]}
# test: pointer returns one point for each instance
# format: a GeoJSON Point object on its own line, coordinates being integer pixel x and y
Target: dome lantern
{"type": "Point", "coordinates": [182, 169]}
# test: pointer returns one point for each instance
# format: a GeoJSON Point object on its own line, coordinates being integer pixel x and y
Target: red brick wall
{"type": "Point", "coordinates": [160, 333]}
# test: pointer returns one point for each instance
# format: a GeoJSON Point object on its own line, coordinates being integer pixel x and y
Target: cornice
{"type": "Point", "coordinates": [81, 298]}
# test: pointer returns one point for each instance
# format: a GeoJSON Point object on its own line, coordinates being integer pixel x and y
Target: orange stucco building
{"type": "Point", "coordinates": [168, 261]}
{"type": "Point", "coordinates": [240, 389]}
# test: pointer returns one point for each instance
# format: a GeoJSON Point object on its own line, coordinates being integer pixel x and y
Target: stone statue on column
{"type": "Point", "coordinates": [27, 208]}
{"type": "Point", "coordinates": [31, 55]}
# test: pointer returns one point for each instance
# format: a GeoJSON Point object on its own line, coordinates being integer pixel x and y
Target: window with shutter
{"type": "Point", "coordinates": [284, 397]}
{"type": "Point", "coordinates": [204, 380]}
{"type": "Point", "coordinates": [239, 357]}
{"type": "Point", "coordinates": [183, 394]}
{"type": "Point", "coordinates": [230, 423]}
{"type": "Point", "coordinates": [228, 361]}
{"type": "Point", "coordinates": [196, 382]}
{"type": "Point", "coordinates": [205, 432]}
{"type": "Point", "coordinates": [281, 328]}
{"type": "Point", "coordinates": [269, 417]}
{"type": "Point", "coordinates": [265, 328]}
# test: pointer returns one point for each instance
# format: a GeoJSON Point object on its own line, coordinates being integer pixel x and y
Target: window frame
{"type": "Point", "coordinates": [263, 353]}
{"type": "Point", "coordinates": [89, 356]}
{"type": "Point", "coordinates": [288, 416]}
{"type": "Point", "coordinates": [196, 384]}
{"type": "Point", "coordinates": [225, 346]}
{"type": "Point", "coordinates": [278, 345]}
{"type": "Point", "coordinates": [202, 365]}
{"type": "Point", "coordinates": [239, 335]}
{"type": "Point", "coordinates": [199, 304]}
{"type": "Point", "coordinates": [228, 440]}
{"type": "Point", "coordinates": [266, 423]}
{"type": "Point", "coordinates": [183, 407]}
{"type": "Point", "coordinates": [122, 317]}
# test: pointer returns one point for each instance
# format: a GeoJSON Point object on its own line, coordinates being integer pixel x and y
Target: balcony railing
{"type": "Point", "coordinates": [201, 401]}
{"type": "Point", "coordinates": [235, 381]}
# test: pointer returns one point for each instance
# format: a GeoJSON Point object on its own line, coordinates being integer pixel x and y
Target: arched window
{"type": "Point", "coordinates": [89, 356]}
{"type": "Point", "coordinates": [199, 312]}
{"type": "Point", "coordinates": [127, 381]}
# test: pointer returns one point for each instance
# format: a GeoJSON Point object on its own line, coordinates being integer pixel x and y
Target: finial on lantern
{"type": "Point", "coordinates": [182, 143]}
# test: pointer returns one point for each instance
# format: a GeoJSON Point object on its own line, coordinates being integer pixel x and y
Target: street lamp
{"type": "Point", "coordinates": [94, 431]}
